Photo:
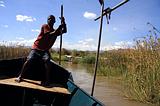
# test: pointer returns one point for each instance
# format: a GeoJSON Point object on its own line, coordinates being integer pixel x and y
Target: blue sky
{"type": "Point", "coordinates": [20, 22]}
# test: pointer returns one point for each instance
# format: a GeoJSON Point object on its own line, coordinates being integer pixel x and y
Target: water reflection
{"type": "Point", "coordinates": [107, 90]}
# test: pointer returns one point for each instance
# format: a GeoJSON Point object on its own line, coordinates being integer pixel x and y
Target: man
{"type": "Point", "coordinates": [43, 43]}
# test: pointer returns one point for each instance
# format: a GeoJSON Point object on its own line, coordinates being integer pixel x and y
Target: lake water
{"type": "Point", "coordinates": [108, 91]}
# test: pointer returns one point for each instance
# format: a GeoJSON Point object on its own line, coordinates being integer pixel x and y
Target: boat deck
{"type": "Point", "coordinates": [26, 83]}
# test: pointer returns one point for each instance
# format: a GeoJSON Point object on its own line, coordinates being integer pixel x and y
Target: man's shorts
{"type": "Point", "coordinates": [38, 54]}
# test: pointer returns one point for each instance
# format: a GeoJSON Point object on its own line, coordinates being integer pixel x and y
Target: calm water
{"type": "Point", "coordinates": [106, 90]}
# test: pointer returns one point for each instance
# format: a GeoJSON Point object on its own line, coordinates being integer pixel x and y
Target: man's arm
{"type": "Point", "coordinates": [61, 29]}
{"type": "Point", "coordinates": [64, 28]}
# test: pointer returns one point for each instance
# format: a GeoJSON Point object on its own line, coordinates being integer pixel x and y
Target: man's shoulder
{"type": "Point", "coordinates": [45, 25]}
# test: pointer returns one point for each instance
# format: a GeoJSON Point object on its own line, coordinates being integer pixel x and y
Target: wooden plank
{"type": "Point", "coordinates": [26, 83]}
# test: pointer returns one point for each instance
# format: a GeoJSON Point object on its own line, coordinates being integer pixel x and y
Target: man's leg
{"type": "Point", "coordinates": [24, 68]}
{"type": "Point", "coordinates": [31, 56]}
{"type": "Point", "coordinates": [46, 59]}
{"type": "Point", "coordinates": [48, 69]}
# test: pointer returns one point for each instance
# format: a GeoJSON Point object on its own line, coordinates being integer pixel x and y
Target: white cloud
{"type": "Point", "coordinates": [86, 44]}
{"type": "Point", "coordinates": [123, 43]}
{"type": "Point", "coordinates": [35, 30]}
{"type": "Point", "coordinates": [115, 29]}
{"type": "Point", "coordinates": [25, 18]}
{"type": "Point", "coordinates": [19, 38]}
{"type": "Point", "coordinates": [4, 26]}
{"type": "Point", "coordinates": [91, 44]}
{"type": "Point", "coordinates": [2, 4]}
{"type": "Point", "coordinates": [89, 15]}
{"type": "Point", "coordinates": [18, 42]}
{"type": "Point", "coordinates": [118, 45]}
{"type": "Point", "coordinates": [26, 42]}
{"type": "Point", "coordinates": [89, 40]}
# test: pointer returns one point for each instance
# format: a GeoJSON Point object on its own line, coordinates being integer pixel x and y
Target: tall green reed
{"type": "Point", "coordinates": [10, 52]}
{"type": "Point", "coordinates": [138, 66]}
{"type": "Point", "coordinates": [143, 79]}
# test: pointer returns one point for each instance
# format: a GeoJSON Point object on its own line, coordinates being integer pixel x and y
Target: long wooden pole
{"type": "Point", "coordinates": [60, 49]}
{"type": "Point", "coordinates": [98, 49]}
{"type": "Point", "coordinates": [103, 12]}
{"type": "Point", "coordinates": [110, 10]}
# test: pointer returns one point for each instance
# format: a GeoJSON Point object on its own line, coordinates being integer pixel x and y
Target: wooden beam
{"type": "Point", "coordinates": [26, 83]}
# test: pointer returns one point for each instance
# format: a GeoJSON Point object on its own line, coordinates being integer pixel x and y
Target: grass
{"type": "Point", "coordinates": [139, 67]}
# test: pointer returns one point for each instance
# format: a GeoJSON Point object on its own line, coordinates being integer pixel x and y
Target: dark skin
{"type": "Point", "coordinates": [51, 21]}
{"type": "Point", "coordinates": [60, 30]}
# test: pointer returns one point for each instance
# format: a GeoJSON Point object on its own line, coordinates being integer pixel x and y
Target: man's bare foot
{"type": "Point", "coordinates": [18, 79]}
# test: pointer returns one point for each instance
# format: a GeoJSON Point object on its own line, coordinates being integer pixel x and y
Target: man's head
{"type": "Point", "coordinates": [51, 20]}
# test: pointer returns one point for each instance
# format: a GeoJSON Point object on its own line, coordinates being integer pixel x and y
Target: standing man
{"type": "Point", "coordinates": [43, 43]}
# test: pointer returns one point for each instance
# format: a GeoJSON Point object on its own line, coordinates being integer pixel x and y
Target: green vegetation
{"type": "Point", "coordinates": [140, 71]}
{"type": "Point", "coordinates": [77, 57]}
{"type": "Point", "coordinates": [11, 52]}
{"type": "Point", "coordinates": [139, 68]}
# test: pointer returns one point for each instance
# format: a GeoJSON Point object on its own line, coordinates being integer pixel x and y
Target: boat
{"type": "Point", "coordinates": [30, 92]}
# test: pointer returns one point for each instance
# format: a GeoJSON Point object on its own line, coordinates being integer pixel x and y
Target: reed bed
{"type": "Point", "coordinates": [142, 80]}
{"type": "Point", "coordinates": [139, 67]}
{"type": "Point", "coordinates": [11, 52]}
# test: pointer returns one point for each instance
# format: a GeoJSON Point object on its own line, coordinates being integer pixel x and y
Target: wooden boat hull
{"type": "Point", "coordinates": [36, 95]}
